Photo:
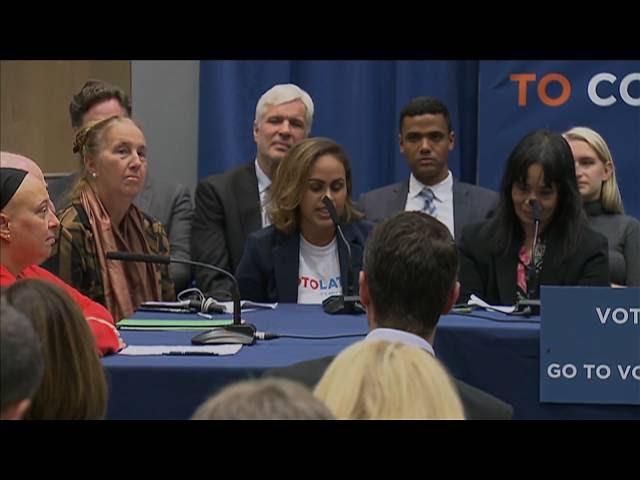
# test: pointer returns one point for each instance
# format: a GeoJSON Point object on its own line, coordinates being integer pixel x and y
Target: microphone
{"type": "Point", "coordinates": [532, 301]}
{"type": "Point", "coordinates": [237, 333]}
{"type": "Point", "coordinates": [349, 303]}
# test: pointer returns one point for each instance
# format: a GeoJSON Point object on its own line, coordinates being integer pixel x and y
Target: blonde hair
{"type": "Point", "coordinates": [290, 182]}
{"type": "Point", "coordinates": [610, 196]}
{"type": "Point", "coordinates": [380, 380]}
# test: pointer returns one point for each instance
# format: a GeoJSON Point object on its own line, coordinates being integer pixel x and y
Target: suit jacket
{"type": "Point", "coordinates": [227, 210]}
{"type": "Point", "coordinates": [478, 405]}
{"type": "Point", "coordinates": [491, 275]}
{"type": "Point", "coordinates": [166, 202]}
{"type": "Point", "coordinates": [470, 203]}
{"type": "Point", "coordinates": [268, 271]}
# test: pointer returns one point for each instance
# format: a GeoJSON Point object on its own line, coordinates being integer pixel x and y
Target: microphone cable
{"type": "Point", "coordinates": [272, 336]}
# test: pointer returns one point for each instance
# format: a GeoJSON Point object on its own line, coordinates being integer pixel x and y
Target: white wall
{"type": "Point", "coordinates": [165, 102]}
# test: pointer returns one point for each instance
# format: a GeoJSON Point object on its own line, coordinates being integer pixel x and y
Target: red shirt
{"type": "Point", "coordinates": [100, 320]}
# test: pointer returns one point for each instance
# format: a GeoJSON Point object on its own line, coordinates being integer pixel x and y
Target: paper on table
{"type": "Point", "coordinates": [181, 349]}
{"type": "Point", "coordinates": [474, 300]}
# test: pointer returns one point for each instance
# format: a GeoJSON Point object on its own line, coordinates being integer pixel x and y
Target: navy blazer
{"type": "Point", "coordinates": [471, 203]}
{"type": "Point", "coordinates": [270, 265]}
{"type": "Point", "coordinates": [491, 275]}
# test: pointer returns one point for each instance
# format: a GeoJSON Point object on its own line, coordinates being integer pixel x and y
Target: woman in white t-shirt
{"type": "Point", "coordinates": [301, 258]}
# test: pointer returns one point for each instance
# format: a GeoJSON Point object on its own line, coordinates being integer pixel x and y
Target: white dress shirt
{"type": "Point", "coordinates": [264, 182]}
{"type": "Point", "coordinates": [443, 200]}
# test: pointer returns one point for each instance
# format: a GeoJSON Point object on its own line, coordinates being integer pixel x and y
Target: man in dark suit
{"type": "Point", "coordinates": [426, 138]}
{"type": "Point", "coordinates": [170, 203]}
{"type": "Point", "coordinates": [409, 279]}
{"type": "Point", "coordinates": [231, 205]}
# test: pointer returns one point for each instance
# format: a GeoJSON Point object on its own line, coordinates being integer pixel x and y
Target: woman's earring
{"type": "Point", "coordinates": [93, 174]}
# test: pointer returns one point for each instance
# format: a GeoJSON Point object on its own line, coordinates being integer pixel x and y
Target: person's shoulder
{"type": "Point", "coordinates": [474, 189]}
{"type": "Point", "coordinates": [307, 372]}
{"type": "Point", "coordinates": [591, 239]}
{"type": "Point", "coordinates": [230, 174]}
{"type": "Point", "coordinates": [477, 231]}
{"type": "Point", "coordinates": [73, 217]}
{"type": "Point", "coordinates": [382, 191]}
{"type": "Point", "coordinates": [360, 227]}
{"type": "Point", "coordinates": [480, 405]}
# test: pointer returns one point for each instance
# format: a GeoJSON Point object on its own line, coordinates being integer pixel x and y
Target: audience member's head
{"type": "Point", "coordinates": [426, 138]}
{"type": "Point", "coordinates": [409, 273]}
{"type": "Point", "coordinates": [21, 363]}
{"type": "Point", "coordinates": [113, 153]}
{"type": "Point", "coordinates": [284, 115]}
{"type": "Point", "coordinates": [264, 399]}
{"type": "Point", "coordinates": [28, 225]}
{"type": "Point", "coordinates": [313, 168]}
{"type": "Point", "coordinates": [97, 100]}
{"type": "Point", "coordinates": [540, 168]}
{"type": "Point", "coordinates": [74, 386]}
{"type": "Point", "coordinates": [595, 170]}
{"type": "Point", "coordinates": [379, 380]}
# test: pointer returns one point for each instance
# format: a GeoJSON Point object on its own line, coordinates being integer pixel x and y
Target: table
{"type": "Point", "coordinates": [498, 354]}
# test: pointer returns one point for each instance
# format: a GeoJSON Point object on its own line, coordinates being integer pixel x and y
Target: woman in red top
{"type": "Point", "coordinates": [27, 233]}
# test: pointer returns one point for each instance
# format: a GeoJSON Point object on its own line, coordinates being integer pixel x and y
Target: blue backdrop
{"type": "Point", "coordinates": [357, 103]}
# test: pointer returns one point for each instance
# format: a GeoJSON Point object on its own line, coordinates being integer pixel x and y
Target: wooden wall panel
{"type": "Point", "coordinates": [34, 106]}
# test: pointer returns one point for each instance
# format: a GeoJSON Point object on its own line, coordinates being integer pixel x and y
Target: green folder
{"type": "Point", "coordinates": [170, 324]}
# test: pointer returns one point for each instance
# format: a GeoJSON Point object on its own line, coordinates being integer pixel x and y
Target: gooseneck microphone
{"type": "Point", "coordinates": [532, 302]}
{"type": "Point", "coordinates": [236, 333]}
{"type": "Point", "coordinates": [348, 302]}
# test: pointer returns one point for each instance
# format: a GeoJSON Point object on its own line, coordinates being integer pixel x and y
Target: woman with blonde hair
{"type": "Point", "coordinates": [74, 386]}
{"type": "Point", "coordinates": [299, 258]}
{"type": "Point", "coordinates": [602, 202]}
{"type": "Point", "coordinates": [102, 218]}
{"type": "Point", "coordinates": [380, 380]}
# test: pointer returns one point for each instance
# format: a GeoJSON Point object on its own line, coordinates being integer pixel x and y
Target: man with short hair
{"type": "Point", "coordinates": [21, 363]}
{"type": "Point", "coordinates": [168, 202]}
{"type": "Point", "coordinates": [426, 137]}
{"type": "Point", "coordinates": [231, 205]}
{"type": "Point", "coordinates": [409, 279]}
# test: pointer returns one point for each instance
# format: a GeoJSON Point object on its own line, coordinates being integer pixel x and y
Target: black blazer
{"type": "Point", "coordinates": [477, 404]}
{"type": "Point", "coordinates": [470, 203]}
{"type": "Point", "coordinates": [227, 210]}
{"type": "Point", "coordinates": [491, 275]}
{"type": "Point", "coordinates": [268, 271]}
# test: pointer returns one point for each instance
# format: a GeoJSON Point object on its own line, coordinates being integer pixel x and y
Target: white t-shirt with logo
{"type": "Point", "coordinates": [319, 273]}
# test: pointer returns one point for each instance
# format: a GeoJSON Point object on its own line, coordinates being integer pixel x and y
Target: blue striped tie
{"type": "Point", "coordinates": [429, 204]}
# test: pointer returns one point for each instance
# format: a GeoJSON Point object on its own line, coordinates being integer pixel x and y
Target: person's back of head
{"type": "Point", "coordinates": [409, 274]}
{"type": "Point", "coordinates": [21, 363]}
{"type": "Point", "coordinates": [380, 380]}
{"type": "Point", "coordinates": [263, 399]}
{"type": "Point", "coordinates": [74, 386]}
{"type": "Point", "coordinates": [92, 93]}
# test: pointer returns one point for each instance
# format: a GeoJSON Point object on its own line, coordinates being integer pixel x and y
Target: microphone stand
{"type": "Point", "coordinates": [349, 303]}
{"type": "Point", "coordinates": [243, 333]}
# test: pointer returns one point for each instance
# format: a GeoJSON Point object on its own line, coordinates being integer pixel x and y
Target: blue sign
{"type": "Point", "coordinates": [517, 97]}
{"type": "Point", "coordinates": [590, 345]}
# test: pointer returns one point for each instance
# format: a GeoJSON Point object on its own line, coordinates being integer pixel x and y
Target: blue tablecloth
{"type": "Point", "coordinates": [498, 354]}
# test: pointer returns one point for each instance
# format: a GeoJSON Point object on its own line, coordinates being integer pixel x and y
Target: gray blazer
{"type": "Point", "coordinates": [167, 202]}
{"type": "Point", "coordinates": [470, 203]}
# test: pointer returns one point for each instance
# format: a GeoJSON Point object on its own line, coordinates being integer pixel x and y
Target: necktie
{"type": "Point", "coordinates": [429, 204]}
